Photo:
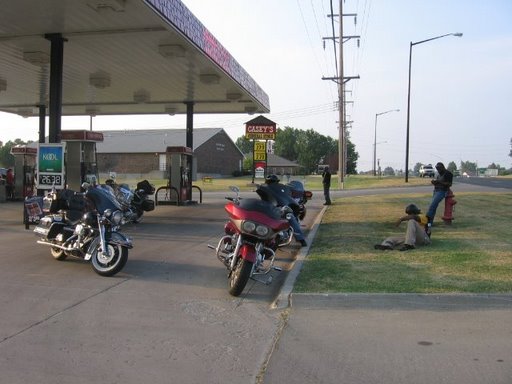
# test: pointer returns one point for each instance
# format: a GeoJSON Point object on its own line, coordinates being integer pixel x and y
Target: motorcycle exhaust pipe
{"type": "Point", "coordinates": [55, 245]}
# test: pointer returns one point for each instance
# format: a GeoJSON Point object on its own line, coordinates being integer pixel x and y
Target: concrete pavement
{"type": "Point", "coordinates": [167, 318]}
{"type": "Point", "coordinates": [392, 339]}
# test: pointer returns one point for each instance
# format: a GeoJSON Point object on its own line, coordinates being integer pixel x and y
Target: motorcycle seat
{"type": "Point", "coordinates": [73, 216]}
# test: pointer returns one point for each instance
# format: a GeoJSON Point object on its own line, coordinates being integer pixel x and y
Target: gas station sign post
{"type": "Point", "coordinates": [260, 129]}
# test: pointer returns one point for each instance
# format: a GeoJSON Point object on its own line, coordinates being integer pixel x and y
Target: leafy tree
{"type": "Point", "coordinates": [285, 143]}
{"type": "Point", "coordinates": [312, 148]}
{"type": "Point", "coordinates": [6, 159]}
{"type": "Point", "coordinates": [451, 166]}
{"type": "Point", "coordinates": [248, 164]}
{"type": "Point", "coordinates": [389, 171]}
{"type": "Point", "coordinates": [244, 144]}
{"type": "Point", "coordinates": [352, 157]}
{"type": "Point", "coordinates": [416, 169]}
{"type": "Point", "coordinates": [468, 167]}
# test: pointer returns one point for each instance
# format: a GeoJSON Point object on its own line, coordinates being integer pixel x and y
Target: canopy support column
{"type": "Point", "coordinates": [56, 74]}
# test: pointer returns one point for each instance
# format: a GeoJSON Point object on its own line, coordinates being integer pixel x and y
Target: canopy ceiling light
{"type": "Point", "coordinates": [170, 110]}
{"type": "Point", "coordinates": [91, 110]}
{"type": "Point", "coordinates": [99, 79]}
{"type": "Point", "coordinates": [250, 109]}
{"type": "Point", "coordinates": [171, 50]}
{"type": "Point", "coordinates": [233, 96]}
{"type": "Point", "coordinates": [36, 58]}
{"type": "Point", "coordinates": [209, 78]}
{"type": "Point", "coordinates": [141, 96]}
{"type": "Point", "coordinates": [26, 112]}
{"type": "Point", "coordinates": [107, 5]}
{"type": "Point", "coordinates": [3, 84]}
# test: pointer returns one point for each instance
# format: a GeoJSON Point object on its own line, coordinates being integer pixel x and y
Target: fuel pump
{"type": "Point", "coordinates": [181, 172]}
{"type": "Point", "coordinates": [24, 169]}
{"type": "Point", "coordinates": [81, 165]}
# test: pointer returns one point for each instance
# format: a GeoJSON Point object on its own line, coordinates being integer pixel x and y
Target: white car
{"type": "Point", "coordinates": [427, 171]}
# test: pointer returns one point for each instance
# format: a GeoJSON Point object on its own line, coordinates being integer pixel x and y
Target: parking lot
{"type": "Point", "coordinates": [167, 314]}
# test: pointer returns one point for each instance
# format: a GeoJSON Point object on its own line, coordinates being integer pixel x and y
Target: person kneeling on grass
{"type": "Point", "coordinates": [417, 233]}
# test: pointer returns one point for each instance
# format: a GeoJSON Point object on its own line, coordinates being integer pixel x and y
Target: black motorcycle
{"type": "Point", "coordinates": [292, 194]}
{"type": "Point", "coordinates": [85, 225]}
{"type": "Point", "coordinates": [134, 203]}
{"type": "Point", "coordinates": [301, 196]}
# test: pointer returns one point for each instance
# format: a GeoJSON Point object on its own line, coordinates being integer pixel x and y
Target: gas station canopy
{"type": "Point", "coordinates": [119, 57]}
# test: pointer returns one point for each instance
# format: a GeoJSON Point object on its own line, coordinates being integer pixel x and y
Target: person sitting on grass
{"type": "Point", "coordinates": [417, 232]}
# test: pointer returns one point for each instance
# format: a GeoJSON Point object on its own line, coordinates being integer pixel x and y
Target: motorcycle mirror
{"type": "Point", "coordinates": [234, 188]}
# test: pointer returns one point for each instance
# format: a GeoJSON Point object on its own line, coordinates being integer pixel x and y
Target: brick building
{"type": "Point", "coordinates": [144, 151]}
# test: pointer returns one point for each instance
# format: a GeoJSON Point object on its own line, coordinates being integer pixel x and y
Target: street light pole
{"type": "Point", "coordinates": [458, 34]}
{"type": "Point", "coordinates": [375, 139]}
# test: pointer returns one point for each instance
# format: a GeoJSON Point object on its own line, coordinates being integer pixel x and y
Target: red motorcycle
{"type": "Point", "coordinates": [254, 231]}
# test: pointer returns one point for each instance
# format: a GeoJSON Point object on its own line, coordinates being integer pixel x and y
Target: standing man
{"type": "Point", "coordinates": [326, 181]}
{"type": "Point", "coordinates": [9, 184]}
{"type": "Point", "coordinates": [442, 184]}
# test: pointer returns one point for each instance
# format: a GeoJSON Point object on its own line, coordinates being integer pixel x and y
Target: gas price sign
{"type": "Point", "coordinates": [50, 166]}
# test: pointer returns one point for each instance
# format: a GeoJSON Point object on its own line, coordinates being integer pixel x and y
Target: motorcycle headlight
{"type": "Point", "coordinates": [262, 230]}
{"type": "Point", "coordinates": [259, 230]}
{"type": "Point", "coordinates": [117, 217]}
{"type": "Point", "coordinates": [248, 226]}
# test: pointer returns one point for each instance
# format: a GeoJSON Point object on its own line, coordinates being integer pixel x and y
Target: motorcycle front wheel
{"type": "Point", "coordinates": [239, 276]}
{"type": "Point", "coordinates": [109, 265]}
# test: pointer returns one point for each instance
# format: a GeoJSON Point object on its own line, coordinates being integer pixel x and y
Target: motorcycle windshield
{"type": "Point", "coordinates": [102, 199]}
{"type": "Point", "coordinates": [256, 205]}
{"type": "Point", "coordinates": [296, 186]}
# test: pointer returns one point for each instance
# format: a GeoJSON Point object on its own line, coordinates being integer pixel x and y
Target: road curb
{"type": "Point", "coordinates": [282, 300]}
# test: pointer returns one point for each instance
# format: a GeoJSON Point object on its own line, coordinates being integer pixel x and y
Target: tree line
{"type": "Point", "coordinates": [306, 147]}
{"type": "Point", "coordinates": [6, 159]}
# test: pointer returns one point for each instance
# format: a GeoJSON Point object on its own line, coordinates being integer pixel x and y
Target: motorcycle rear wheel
{"type": "Point", "coordinates": [109, 266]}
{"type": "Point", "coordinates": [239, 276]}
{"type": "Point", "coordinates": [58, 254]}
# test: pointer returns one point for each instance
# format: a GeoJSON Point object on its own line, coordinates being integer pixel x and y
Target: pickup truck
{"type": "Point", "coordinates": [427, 171]}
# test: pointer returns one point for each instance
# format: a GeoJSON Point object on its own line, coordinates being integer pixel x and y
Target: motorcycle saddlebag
{"type": "Point", "coordinates": [146, 187]}
{"type": "Point", "coordinates": [148, 205]}
{"type": "Point", "coordinates": [49, 226]}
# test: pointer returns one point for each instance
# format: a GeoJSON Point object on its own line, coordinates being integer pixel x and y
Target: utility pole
{"type": "Point", "coordinates": [341, 80]}
{"type": "Point", "coordinates": [341, 130]}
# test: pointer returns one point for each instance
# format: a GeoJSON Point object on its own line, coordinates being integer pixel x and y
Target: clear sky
{"type": "Point", "coordinates": [461, 89]}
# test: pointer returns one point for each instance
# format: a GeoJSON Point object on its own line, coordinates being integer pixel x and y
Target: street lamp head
{"type": "Point", "coordinates": [458, 34]}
